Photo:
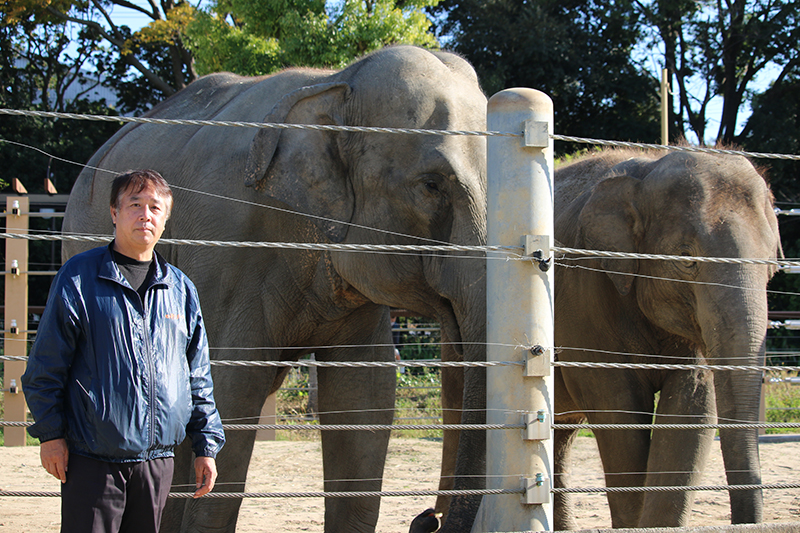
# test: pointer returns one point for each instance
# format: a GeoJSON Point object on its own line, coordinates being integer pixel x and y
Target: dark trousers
{"type": "Point", "coordinates": [101, 497]}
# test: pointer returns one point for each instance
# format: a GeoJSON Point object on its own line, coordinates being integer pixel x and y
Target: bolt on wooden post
{"type": "Point", "coordinates": [520, 312]}
{"type": "Point", "coordinates": [16, 318]}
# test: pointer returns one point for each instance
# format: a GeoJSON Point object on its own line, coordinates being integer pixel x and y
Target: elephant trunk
{"type": "Point", "coordinates": [740, 341]}
{"type": "Point", "coordinates": [466, 390]}
{"type": "Point", "coordinates": [470, 469]}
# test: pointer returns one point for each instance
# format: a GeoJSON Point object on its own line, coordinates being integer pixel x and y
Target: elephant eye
{"type": "Point", "coordinates": [689, 265]}
{"type": "Point", "coordinates": [432, 186]}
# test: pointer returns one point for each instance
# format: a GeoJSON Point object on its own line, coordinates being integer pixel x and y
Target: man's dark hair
{"type": "Point", "coordinates": [136, 181]}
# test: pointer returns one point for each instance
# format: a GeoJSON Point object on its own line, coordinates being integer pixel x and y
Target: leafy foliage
{"type": "Point", "coordinates": [169, 20]}
{"type": "Point", "coordinates": [37, 72]}
{"type": "Point", "coordinates": [578, 52]}
{"type": "Point", "coordinates": [774, 126]}
{"type": "Point", "coordinates": [716, 49]}
{"type": "Point", "coordinates": [417, 338]}
{"type": "Point", "coordinates": [256, 38]}
{"type": "Point", "coordinates": [782, 401]}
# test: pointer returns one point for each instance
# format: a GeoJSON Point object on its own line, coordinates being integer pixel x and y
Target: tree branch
{"type": "Point", "coordinates": [154, 14]}
{"type": "Point", "coordinates": [105, 14]}
{"type": "Point", "coordinates": [132, 60]}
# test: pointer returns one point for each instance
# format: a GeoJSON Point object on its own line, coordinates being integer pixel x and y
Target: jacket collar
{"type": "Point", "coordinates": [109, 270]}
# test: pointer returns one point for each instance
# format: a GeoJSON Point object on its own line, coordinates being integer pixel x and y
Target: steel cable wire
{"type": "Point", "coordinates": [364, 129]}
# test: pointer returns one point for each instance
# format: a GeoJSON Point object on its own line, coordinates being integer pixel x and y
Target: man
{"type": "Point", "coordinates": [119, 373]}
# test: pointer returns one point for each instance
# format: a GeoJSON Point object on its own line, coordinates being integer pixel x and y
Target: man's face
{"type": "Point", "coordinates": [139, 219]}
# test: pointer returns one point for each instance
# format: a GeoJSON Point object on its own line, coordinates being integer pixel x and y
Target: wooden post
{"type": "Point", "coordinates": [16, 317]}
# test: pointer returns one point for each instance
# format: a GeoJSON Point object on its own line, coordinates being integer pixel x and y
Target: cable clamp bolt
{"type": "Point", "coordinates": [537, 426]}
{"type": "Point", "coordinates": [537, 490]}
{"type": "Point", "coordinates": [538, 364]}
{"type": "Point", "coordinates": [538, 247]}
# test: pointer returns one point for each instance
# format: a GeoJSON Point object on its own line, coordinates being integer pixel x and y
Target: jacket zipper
{"type": "Point", "coordinates": [151, 367]}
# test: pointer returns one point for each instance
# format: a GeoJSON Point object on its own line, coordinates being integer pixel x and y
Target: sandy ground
{"type": "Point", "coordinates": [413, 465]}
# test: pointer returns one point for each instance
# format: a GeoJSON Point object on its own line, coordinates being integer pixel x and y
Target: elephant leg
{"type": "Point", "coordinates": [469, 475]}
{"type": "Point", "coordinates": [221, 514]}
{"type": "Point", "coordinates": [617, 397]}
{"type": "Point", "coordinates": [354, 460]}
{"type": "Point", "coordinates": [563, 512]}
{"type": "Point", "coordinates": [624, 456]}
{"type": "Point", "coordinates": [452, 399]}
{"type": "Point", "coordinates": [240, 394]}
{"type": "Point", "coordinates": [623, 398]}
{"type": "Point", "coordinates": [677, 456]}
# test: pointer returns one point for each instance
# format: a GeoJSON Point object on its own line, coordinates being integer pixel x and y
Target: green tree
{"type": "Point", "coordinates": [774, 127]}
{"type": "Point", "coordinates": [242, 36]}
{"type": "Point", "coordinates": [716, 49]}
{"type": "Point", "coordinates": [37, 71]}
{"type": "Point", "coordinates": [576, 51]}
{"type": "Point", "coordinates": [168, 19]}
{"type": "Point", "coordinates": [257, 38]}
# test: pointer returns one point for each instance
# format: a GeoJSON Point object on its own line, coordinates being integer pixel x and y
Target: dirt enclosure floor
{"type": "Point", "coordinates": [413, 465]}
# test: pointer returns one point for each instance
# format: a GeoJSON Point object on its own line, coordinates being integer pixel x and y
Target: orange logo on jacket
{"type": "Point", "coordinates": [173, 316]}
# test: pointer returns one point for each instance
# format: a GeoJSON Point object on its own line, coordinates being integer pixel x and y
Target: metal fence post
{"type": "Point", "coordinates": [520, 312]}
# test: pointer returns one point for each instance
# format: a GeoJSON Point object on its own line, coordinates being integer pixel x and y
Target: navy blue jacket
{"type": "Point", "coordinates": [122, 380]}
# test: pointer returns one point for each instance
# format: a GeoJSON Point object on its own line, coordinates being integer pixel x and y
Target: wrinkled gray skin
{"type": "Point", "coordinates": [286, 302]}
{"type": "Point", "coordinates": [678, 204]}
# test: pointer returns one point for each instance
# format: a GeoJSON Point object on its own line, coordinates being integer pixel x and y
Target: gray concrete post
{"type": "Point", "coordinates": [520, 312]}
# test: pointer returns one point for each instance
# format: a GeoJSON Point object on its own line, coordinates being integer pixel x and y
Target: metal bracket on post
{"type": "Point", "coordinates": [537, 364]}
{"type": "Point", "coordinates": [537, 134]}
{"type": "Point", "coordinates": [537, 490]}
{"type": "Point", "coordinates": [537, 426]}
{"type": "Point", "coordinates": [538, 247]}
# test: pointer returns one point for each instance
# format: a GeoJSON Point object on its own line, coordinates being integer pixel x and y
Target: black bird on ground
{"type": "Point", "coordinates": [425, 522]}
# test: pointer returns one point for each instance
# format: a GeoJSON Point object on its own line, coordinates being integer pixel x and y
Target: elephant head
{"type": "Point", "coordinates": [698, 206]}
{"type": "Point", "coordinates": [385, 188]}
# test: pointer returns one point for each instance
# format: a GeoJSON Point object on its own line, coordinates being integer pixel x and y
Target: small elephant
{"type": "Point", "coordinates": [659, 311]}
{"type": "Point", "coordinates": [610, 310]}
{"type": "Point", "coordinates": [247, 184]}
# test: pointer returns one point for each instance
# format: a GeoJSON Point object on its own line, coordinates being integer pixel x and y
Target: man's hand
{"type": "Point", "coordinates": [205, 470]}
{"type": "Point", "coordinates": [55, 457]}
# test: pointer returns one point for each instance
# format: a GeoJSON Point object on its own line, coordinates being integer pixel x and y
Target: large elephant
{"type": "Point", "coordinates": [247, 184]}
{"type": "Point", "coordinates": [655, 311]}
{"type": "Point", "coordinates": [660, 311]}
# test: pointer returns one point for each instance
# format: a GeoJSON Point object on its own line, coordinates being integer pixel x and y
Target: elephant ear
{"type": "Point", "coordinates": [610, 221]}
{"type": "Point", "coordinates": [303, 168]}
